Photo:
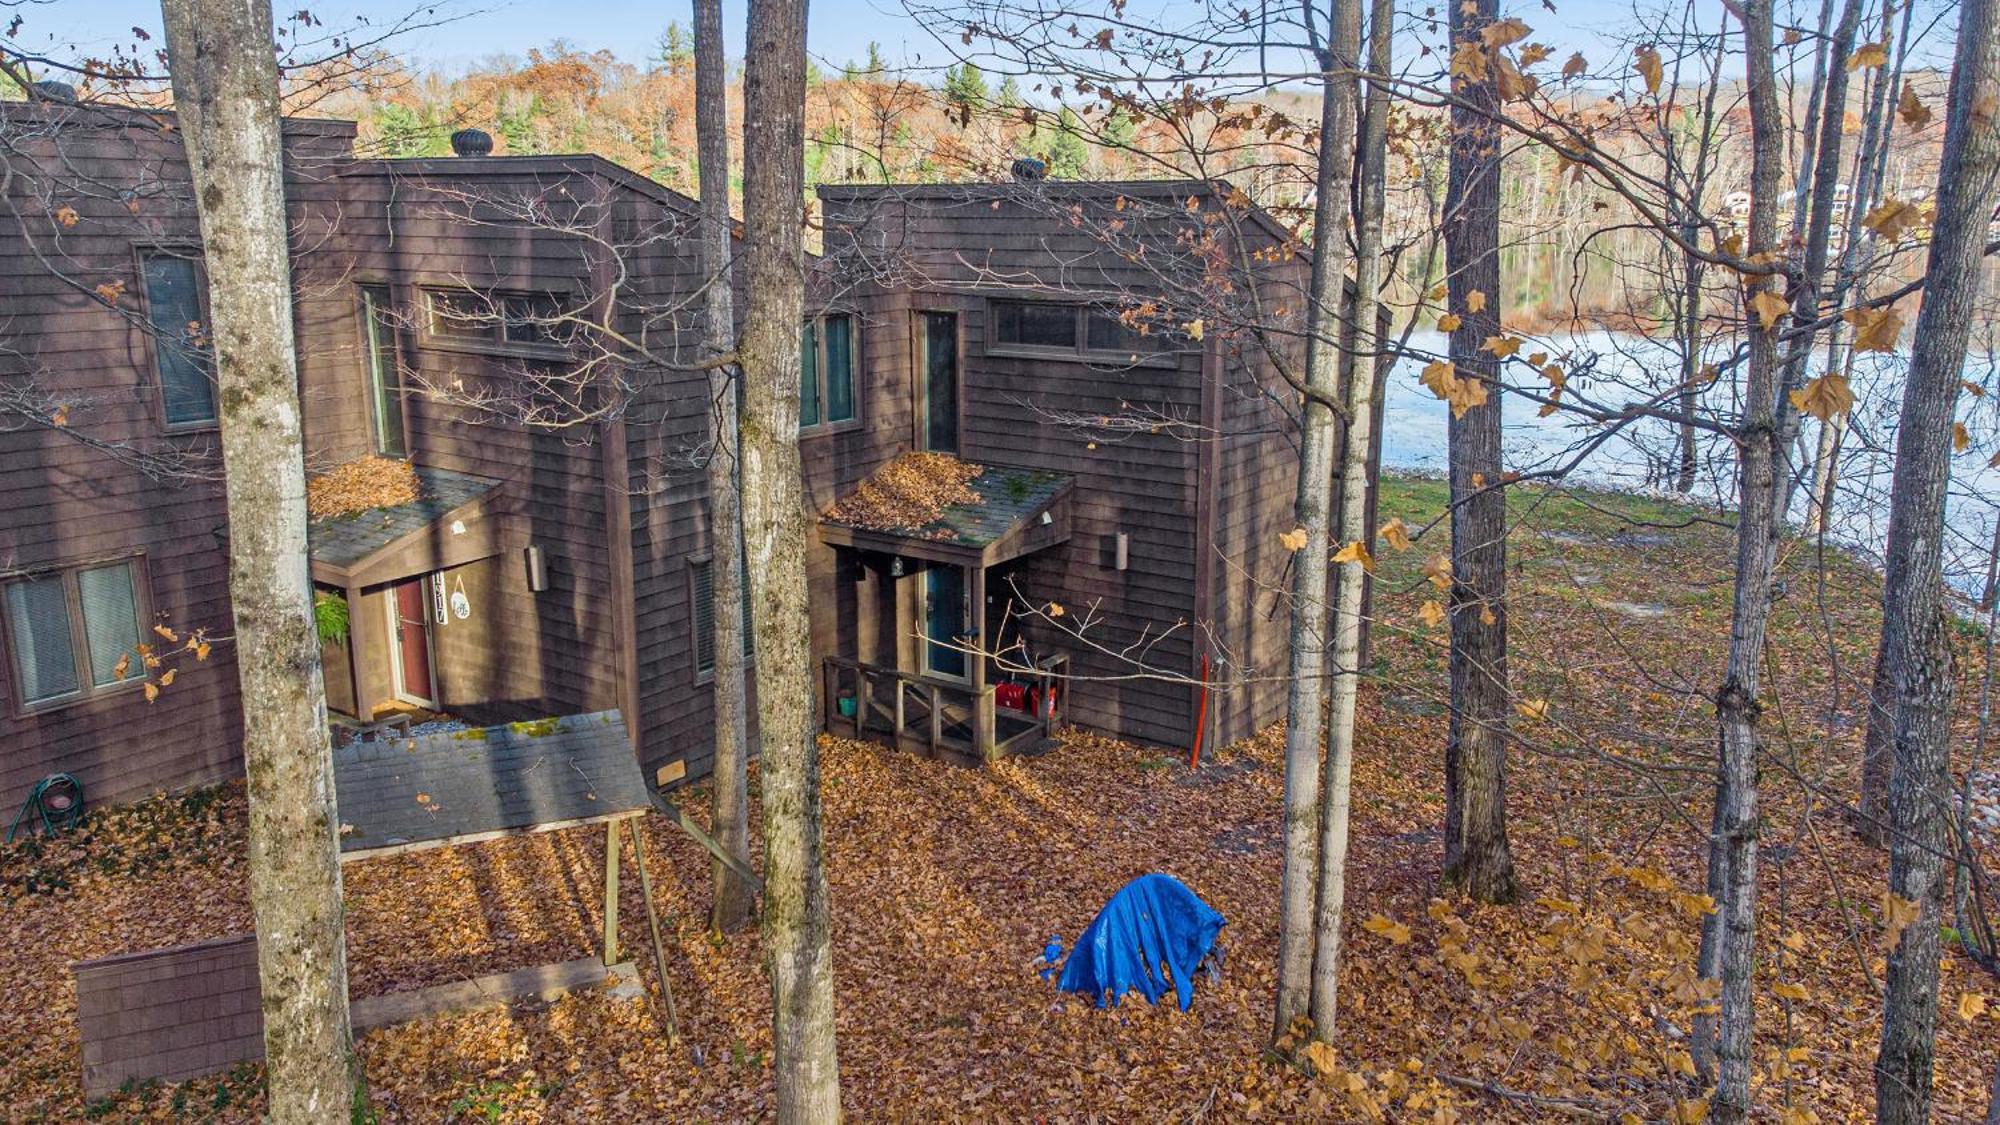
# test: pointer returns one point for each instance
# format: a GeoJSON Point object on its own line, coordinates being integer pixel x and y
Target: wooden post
{"type": "Point", "coordinates": [653, 924]}
{"type": "Point", "coordinates": [898, 682]}
{"type": "Point", "coordinates": [937, 722]}
{"type": "Point", "coordinates": [611, 894]}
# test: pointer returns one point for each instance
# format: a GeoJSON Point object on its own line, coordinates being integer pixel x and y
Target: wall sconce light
{"type": "Point", "coordinates": [538, 570]}
{"type": "Point", "coordinates": [1121, 554]}
{"type": "Point", "coordinates": [1047, 519]}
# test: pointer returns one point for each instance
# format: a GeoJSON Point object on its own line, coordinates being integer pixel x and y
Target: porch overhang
{"type": "Point", "coordinates": [1019, 512]}
{"type": "Point", "coordinates": [453, 523]}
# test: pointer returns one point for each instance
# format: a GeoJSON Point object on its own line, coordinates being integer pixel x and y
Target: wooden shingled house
{"type": "Point", "coordinates": [555, 557]}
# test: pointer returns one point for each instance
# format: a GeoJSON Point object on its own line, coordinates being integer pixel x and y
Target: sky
{"type": "Point", "coordinates": [838, 30]}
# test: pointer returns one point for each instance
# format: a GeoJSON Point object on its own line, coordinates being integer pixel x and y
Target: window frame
{"type": "Point", "coordinates": [707, 675]}
{"type": "Point", "coordinates": [364, 290]}
{"type": "Point", "coordinates": [817, 323]}
{"type": "Point", "coordinates": [494, 341]}
{"type": "Point", "coordinates": [141, 253]}
{"type": "Point", "coordinates": [18, 705]}
{"type": "Point", "coordinates": [1081, 351]}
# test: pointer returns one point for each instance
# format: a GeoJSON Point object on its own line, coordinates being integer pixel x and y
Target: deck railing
{"type": "Point", "coordinates": [934, 716]}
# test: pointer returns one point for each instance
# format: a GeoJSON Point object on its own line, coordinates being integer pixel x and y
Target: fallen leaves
{"type": "Point", "coordinates": [1971, 1005]}
{"type": "Point", "coordinates": [362, 485]}
{"type": "Point", "coordinates": [907, 493]}
{"type": "Point", "coordinates": [1533, 709]}
{"type": "Point", "coordinates": [1395, 932]}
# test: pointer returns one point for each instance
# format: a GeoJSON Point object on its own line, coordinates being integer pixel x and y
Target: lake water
{"type": "Point", "coordinates": [1614, 369]}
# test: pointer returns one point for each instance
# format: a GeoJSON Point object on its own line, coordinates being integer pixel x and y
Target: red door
{"type": "Point", "coordinates": [413, 642]}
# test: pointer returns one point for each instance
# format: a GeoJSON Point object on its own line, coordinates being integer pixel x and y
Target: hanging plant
{"type": "Point", "coordinates": [330, 618]}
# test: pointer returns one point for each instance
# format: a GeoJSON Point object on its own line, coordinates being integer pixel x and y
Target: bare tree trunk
{"type": "Point", "coordinates": [796, 923]}
{"type": "Point", "coordinates": [730, 812]}
{"type": "Point", "coordinates": [1305, 701]}
{"type": "Point", "coordinates": [1915, 621]}
{"type": "Point", "coordinates": [225, 83]}
{"type": "Point", "coordinates": [1351, 579]}
{"type": "Point", "coordinates": [1476, 856]}
{"type": "Point", "coordinates": [1764, 439]}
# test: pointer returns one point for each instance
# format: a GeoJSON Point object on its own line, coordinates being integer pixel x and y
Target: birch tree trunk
{"type": "Point", "coordinates": [730, 811]}
{"type": "Point", "coordinates": [1305, 701]}
{"type": "Point", "coordinates": [1763, 441]}
{"type": "Point", "coordinates": [797, 936]}
{"type": "Point", "coordinates": [1476, 856]}
{"type": "Point", "coordinates": [1351, 580]}
{"type": "Point", "coordinates": [1916, 626]}
{"type": "Point", "coordinates": [225, 84]}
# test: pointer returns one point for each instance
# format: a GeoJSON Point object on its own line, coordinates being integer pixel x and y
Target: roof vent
{"type": "Point", "coordinates": [1028, 170]}
{"type": "Point", "coordinates": [54, 91]}
{"type": "Point", "coordinates": [472, 142]}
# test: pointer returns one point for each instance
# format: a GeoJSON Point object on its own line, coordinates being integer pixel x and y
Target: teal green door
{"type": "Point", "coordinates": [944, 620]}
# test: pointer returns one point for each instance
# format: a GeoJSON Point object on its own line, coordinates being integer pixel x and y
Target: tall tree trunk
{"type": "Point", "coordinates": [730, 811]}
{"type": "Point", "coordinates": [1351, 579]}
{"type": "Point", "coordinates": [1763, 441]}
{"type": "Point", "coordinates": [1305, 700]}
{"type": "Point", "coordinates": [1476, 856]}
{"type": "Point", "coordinates": [1915, 625]}
{"type": "Point", "coordinates": [796, 923]}
{"type": "Point", "coordinates": [225, 84]}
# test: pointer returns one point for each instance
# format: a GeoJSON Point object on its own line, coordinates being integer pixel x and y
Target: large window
{"type": "Point", "coordinates": [1048, 328]}
{"type": "Point", "coordinates": [702, 595]}
{"type": "Point", "coordinates": [385, 376]}
{"type": "Point", "coordinates": [180, 337]}
{"type": "Point", "coordinates": [826, 371]}
{"type": "Point", "coordinates": [508, 323]}
{"type": "Point", "coordinates": [73, 633]}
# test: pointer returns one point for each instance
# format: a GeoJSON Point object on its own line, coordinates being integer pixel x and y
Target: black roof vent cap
{"type": "Point", "coordinates": [51, 90]}
{"type": "Point", "coordinates": [472, 142]}
{"type": "Point", "coordinates": [1028, 170]}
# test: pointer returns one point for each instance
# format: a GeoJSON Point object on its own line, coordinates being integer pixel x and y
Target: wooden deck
{"type": "Point", "coordinates": [936, 717]}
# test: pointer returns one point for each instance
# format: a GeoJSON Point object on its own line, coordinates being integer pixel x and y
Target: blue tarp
{"type": "Point", "coordinates": [1152, 920]}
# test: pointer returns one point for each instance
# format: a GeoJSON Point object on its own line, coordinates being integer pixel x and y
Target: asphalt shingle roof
{"type": "Point", "coordinates": [349, 539]}
{"type": "Point", "coordinates": [1008, 498]}
{"type": "Point", "coordinates": [437, 787]}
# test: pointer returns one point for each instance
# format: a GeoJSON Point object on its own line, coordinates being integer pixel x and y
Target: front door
{"type": "Point", "coordinates": [940, 381]}
{"type": "Point", "coordinates": [945, 625]}
{"type": "Point", "coordinates": [410, 637]}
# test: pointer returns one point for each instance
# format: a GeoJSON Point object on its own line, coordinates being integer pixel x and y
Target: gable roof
{"type": "Point", "coordinates": [355, 550]}
{"type": "Point", "coordinates": [1006, 522]}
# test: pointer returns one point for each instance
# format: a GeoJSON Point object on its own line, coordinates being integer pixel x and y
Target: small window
{"type": "Point", "coordinates": [385, 375]}
{"type": "Point", "coordinates": [174, 299]}
{"type": "Point", "coordinates": [73, 633]}
{"type": "Point", "coordinates": [508, 323]}
{"type": "Point", "coordinates": [1045, 327]}
{"type": "Point", "coordinates": [703, 595]}
{"type": "Point", "coordinates": [826, 370]}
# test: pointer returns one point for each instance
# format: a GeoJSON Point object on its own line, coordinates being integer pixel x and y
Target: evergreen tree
{"type": "Point", "coordinates": [676, 48]}
{"type": "Point", "coordinates": [964, 91]}
{"type": "Point", "coordinates": [1120, 130]}
{"type": "Point", "coordinates": [1010, 93]}
{"type": "Point", "coordinates": [1067, 153]}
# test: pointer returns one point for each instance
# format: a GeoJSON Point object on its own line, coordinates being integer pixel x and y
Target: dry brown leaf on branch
{"type": "Point", "coordinates": [1875, 330]}
{"type": "Point", "coordinates": [1914, 112]}
{"type": "Point", "coordinates": [362, 485]}
{"type": "Point", "coordinates": [1502, 33]}
{"type": "Point", "coordinates": [1770, 306]}
{"type": "Point", "coordinates": [1647, 60]}
{"type": "Point", "coordinates": [1356, 552]}
{"type": "Point", "coordinates": [1825, 398]}
{"type": "Point", "coordinates": [1868, 55]}
{"type": "Point", "coordinates": [1891, 219]}
{"type": "Point", "coordinates": [908, 492]}
{"type": "Point", "coordinates": [1961, 438]}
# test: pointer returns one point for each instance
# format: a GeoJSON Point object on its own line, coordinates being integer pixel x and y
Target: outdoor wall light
{"type": "Point", "coordinates": [538, 570]}
{"type": "Point", "coordinates": [1121, 554]}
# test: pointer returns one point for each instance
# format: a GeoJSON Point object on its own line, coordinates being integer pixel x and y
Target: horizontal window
{"type": "Point", "coordinates": [74, 633]}
{"type": "Point", "coordinates": [499, 322]}
{"type": "Point", "coordinates": [1046, 326]}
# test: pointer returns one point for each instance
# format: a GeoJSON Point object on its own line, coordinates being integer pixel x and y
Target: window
{"type": "Point", "coordinates": [509, 323]}
{"type": "Point", "coordinates": [826, 371]}
{"type": "Point", "coordinates": [1044, 327]}
{"type": "Point", "coordinates": [385, 376]}
{"type": "Point", "coordinates": [703, 596]}
{"type": "Point", "coordinates": [174, 298]}
{"type": "Point", "coordinates": [73, 633]}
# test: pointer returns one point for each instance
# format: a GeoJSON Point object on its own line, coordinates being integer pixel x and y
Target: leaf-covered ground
{"type": "Point", "coordinates": [947, 882]}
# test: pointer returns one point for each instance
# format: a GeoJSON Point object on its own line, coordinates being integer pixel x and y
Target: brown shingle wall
{"type": "Point", "coordinates": [168, 1014]}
